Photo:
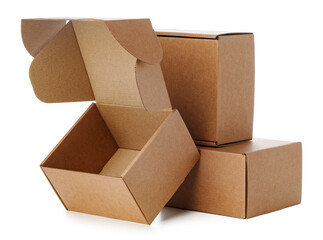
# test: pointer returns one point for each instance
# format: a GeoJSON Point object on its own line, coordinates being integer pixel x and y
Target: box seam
{"type": "Point", "coordinates": [65, 136]}
{"type": "Point", "coordinates": [54, 188]}
{"type": "Point", "coordinates": [217, 77]}
{"type": "Point", "coordinates": [171, 112]}
{"type": "Point", "coordinates": [259, 150]}
{"type": "Point", "coordinates": [205, 142]}
{"type": "Point", "coordinates": [174, 36]}
{"type": "Point", "coordinates": [83, 60]}
{"type": "Point", "coordinates": [135, 200]}
{"type": "Point", "coordinates": [124, 174]}
{"type": "Point", "coordinates": [246, 186]}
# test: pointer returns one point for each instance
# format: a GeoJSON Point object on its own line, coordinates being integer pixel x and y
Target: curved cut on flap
{"type": "Point", "coordinates": [114, 62]}
{"type": "Point", "coordinates": [36, 33]}
{"type": "Point", "coordinates": [58, 73]}
{"type": "Point", "coordinates": [138, 38]}
{"type": "Point", "coordinates": [152, 86]}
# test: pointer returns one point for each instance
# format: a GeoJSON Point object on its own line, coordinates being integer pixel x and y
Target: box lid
{"type": "Point", "coordinates": [114, 62]}
{"type": "Point", "coordinates": [195, 34]}
{"type": "Point", "coordinates": [250, 146]}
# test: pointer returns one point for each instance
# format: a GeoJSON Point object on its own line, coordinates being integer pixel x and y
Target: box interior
{"type": "Point", "coordinates": [106, 140]}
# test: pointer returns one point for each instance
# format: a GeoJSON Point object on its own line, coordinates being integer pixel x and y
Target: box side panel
{"type": "Point", "coordinates": [162, 166]}
{"type": "Point", "coordinates": [190, 71]}
{"type": "Point", "coordinates": [274, 179]}
{"type": "Point", "coordinates": [94, 194]}
{"type": "Point", "coordinates": [132, 127]}
{"type": "Point", "coordinates": [215, 185]}
{"type": "Point", "coordinates": [86, 147]}
{"type": "Point", "coordinates": [58, 72]}
{"type": "Point", "coordinates": [235, 88]}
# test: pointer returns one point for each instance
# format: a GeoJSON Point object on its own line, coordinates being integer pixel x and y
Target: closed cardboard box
{"type": "Point", "coordinates": [243, 179]}
{"type": "Point", "coordinates": [128, 153]}
{"type": "Point", "coordinates": [210, 80]}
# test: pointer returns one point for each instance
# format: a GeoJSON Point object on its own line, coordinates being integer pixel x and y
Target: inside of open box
{"type": "Point", "coordinates": [106, 139]}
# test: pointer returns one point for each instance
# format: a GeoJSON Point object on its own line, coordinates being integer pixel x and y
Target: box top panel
{"type": "Point", "coordinates": [195, 34]}
{"type": "Point", "coordinates": [246, 147]}
{"type": "Point", "coordinates": [111, 61]}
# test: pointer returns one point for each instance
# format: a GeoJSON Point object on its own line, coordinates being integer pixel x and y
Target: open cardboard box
{"type": "Point", "coordinates": [210, 80]}
{"type": "Point", "coordinates": [243, 179]}
{"type": "Point", "coordinates": [128, 153]}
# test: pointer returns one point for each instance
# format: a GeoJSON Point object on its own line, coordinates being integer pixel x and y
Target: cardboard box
{"type": "Point", "coordinates": [244, 179]}
{"type": "Point", "coordinates": [210, 80]}
{"type": "Point", "coordinates": [129, 152]}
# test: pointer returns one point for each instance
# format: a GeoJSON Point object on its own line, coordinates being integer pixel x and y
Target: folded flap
{"type": "Point", "coordinates": [36, 33]}
{"type": "Point", "coordinates": [58, 73]}
{"type": "Point", "coordinates": [138, 38]}
{"type": "Point", "coordinates": [110, 67]}
{"type": "Point", "coordinates": [152, 87]}
{"type": "Point", "coordinates": [118, 77]}
{"type": "Point", "coordinates": [115, 62]}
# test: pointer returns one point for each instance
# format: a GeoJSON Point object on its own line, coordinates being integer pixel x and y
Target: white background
{"type": "Point", "coordinates": [288, 106]}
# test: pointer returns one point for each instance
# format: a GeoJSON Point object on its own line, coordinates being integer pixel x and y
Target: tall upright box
{"type": "Point", "coordinates": [210, 80]}
{"type": "Point", "coordinates": [128, 153]}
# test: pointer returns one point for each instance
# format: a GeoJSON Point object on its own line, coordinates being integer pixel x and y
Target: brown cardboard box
{"type": "Point", "coordinates": [128, 153]}
{"type": "Point", "coordinates": [210, 80]}
{"type": "Point", "coordinates": [243, 179]}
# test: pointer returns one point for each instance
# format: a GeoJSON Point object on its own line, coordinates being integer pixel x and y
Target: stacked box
{"type": "Point", "coordinates": [244, 179]}
{"type": "Point", "coordinates": [210, 79]}
{"type": "Point", "coordinates": [131, 153]}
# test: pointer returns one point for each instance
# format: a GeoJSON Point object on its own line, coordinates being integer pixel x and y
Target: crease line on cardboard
{"type": "Point", "coordinates": [205, 142]}
{"type": "Point", "coordinates": [77, 171]}
{"type": "Point", "coordinates": [140, 153]}
{"type": "Point", "coordinates": [246, 186]}
{"type": "Point", "coordinates": [88, 77]}
{"type": "Point", "coordinates": [130, 106]}
{"type": "Point", "coordinates": [272, 147]}
{"type": "Point", "coordinates": [54, 189]}
{"type": "Point", "coordinates": [174, 36]}
{"type": "Point", "coordinates": [147, 143]}
{"type": "Point", "coordinates": [65, 136]}
{"type": "Point", "coordinates": [135, 200]}
{"type": "Point", "coordinates": [208, 36]}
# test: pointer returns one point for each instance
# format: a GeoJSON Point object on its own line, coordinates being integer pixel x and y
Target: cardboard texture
{"type": "Point", "coordinates": [210, 80]}
{"type": "Point", "coordinates": [243, 179]}
{"type": "Point", "coordinates": [128, 153]}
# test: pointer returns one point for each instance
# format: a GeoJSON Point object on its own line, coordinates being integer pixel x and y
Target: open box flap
{"type": "Point", "coordinates": [117, 62]}
{"type": "Point", "coordinates": [36, 34]}
{"type": "Point", "coordinates": [138, 38]}
{"type": "Point", "coordinates": [58, 73]}
{"type": "Point", "coordinates": [195, 34]}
